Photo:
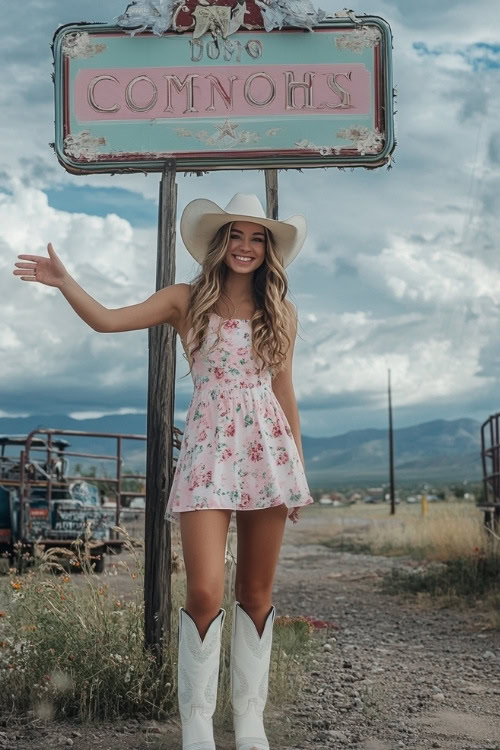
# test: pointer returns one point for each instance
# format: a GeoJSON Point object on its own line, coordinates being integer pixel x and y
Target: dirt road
{"type": "Point", "coordinates": [398, 674]}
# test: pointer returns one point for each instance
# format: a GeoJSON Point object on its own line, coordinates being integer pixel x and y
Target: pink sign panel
{"type": "Point", "coordinates": [145, 93]}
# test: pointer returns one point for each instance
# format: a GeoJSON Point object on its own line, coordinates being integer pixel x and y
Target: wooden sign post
{"type": "Point", "coordinates": [271, 193]}
{"type": "Point", "coordinates": [214, 87]}
{"type": "Point", "coordinates": [159, 457]}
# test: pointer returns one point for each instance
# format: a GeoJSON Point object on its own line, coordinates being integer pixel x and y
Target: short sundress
{"type": "Point", "coordinates": [237, 450]}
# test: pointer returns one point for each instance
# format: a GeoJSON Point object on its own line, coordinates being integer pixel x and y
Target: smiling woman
{"type": "Point", "coordinates": [243, 235]}
{"type": "Point", "coordinates": [241, 447]}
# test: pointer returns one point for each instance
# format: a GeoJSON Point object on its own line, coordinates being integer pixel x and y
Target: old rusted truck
{"type": "Point", "coordinates": [42, 504]}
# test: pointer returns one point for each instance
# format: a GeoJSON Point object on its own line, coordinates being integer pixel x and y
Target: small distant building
{"type": "Point", "coordinates": [325, 499]}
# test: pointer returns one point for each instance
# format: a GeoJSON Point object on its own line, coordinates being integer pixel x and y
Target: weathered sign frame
{"type": "Point", "coordinates": [82, 152]}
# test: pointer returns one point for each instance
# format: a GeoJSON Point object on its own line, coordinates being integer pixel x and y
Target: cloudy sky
{"type": "Point", "coordinates": [400, 269]}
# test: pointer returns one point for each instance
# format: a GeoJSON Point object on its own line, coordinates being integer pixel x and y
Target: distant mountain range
{"type": "Point", "coordinates": [441, 450]}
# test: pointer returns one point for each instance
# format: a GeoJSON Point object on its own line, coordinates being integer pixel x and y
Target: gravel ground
{"type": "Point", "coordinates": [397, 674]}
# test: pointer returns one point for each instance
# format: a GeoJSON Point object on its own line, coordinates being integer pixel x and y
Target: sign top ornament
{"type": "Point", "coordinates": [218, 17]}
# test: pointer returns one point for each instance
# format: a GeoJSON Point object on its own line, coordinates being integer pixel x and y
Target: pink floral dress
{"type": "Point", "coordinates": [237, 450]}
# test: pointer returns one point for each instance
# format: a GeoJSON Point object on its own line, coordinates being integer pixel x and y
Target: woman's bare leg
{"type": "Point", "coordinates": [259, 533]}
{"type": "Point", "coordinates": [203, 535]}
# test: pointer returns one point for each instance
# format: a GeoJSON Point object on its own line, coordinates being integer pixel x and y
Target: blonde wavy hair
{"type": "Point", "coordinates": [274, 315]}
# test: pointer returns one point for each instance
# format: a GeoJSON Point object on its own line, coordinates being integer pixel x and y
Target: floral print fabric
{"type": "Point", "coordinates": [237, 450]}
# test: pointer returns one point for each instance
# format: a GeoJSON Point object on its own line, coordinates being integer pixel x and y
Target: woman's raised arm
{"type": "Point", "coordinates": [164, 306]}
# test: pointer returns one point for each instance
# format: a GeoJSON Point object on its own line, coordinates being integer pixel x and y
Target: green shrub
{"type": "Point", "coordinates": [471, 577]}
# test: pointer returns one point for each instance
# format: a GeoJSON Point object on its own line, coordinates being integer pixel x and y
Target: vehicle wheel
{"type": "Point", "coordinates": [98, 563]}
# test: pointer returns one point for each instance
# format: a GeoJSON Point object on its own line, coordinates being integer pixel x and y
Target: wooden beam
{"type": "Point", "coordinates": [159, 461]}
{"type": "Point", "coordinates": [271, 193]}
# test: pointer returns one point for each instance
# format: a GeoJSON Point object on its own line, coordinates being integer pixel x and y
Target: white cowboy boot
{"type": "Point", "coordinates": [197, 678]}
{"type": "Point", "coordinates": [250, 658]}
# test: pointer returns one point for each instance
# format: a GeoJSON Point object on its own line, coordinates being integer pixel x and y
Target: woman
{"type": "Point", "coordinates": [241, 448]}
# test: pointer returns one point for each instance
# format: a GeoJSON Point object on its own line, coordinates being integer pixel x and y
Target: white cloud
{"type": "Point", "coordinates": [351, 355]}
{"type": "Point", "coordinates": [105, 256]}
{"type": "Point", "coordinates": [430, 273]}
{"type": "Point", "coordinates": [83, 415]}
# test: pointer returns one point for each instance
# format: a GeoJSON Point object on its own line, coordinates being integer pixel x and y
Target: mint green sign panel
{"type": "Point", "coordinates": [256, 100]}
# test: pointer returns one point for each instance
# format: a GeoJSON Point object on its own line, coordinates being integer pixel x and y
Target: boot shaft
{"type": "Point", "coordinates": [250, 658]}
{"type": "Point", "coordinates": [197, 679]}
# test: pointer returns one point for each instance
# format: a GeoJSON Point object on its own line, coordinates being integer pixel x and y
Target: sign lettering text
{"type": "Point", "coordinates": [160, 93]}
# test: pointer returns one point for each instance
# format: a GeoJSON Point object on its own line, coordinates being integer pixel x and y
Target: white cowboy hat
{"type": "Point", "coordinates": [201, 219]}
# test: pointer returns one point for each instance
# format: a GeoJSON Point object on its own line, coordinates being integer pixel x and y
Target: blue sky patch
{"type": "Point", "coordinates": [127, 204]}
{"type": "Point", "coordinates": [480, 56]}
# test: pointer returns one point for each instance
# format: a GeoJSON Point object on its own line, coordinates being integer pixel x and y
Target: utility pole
{"type": "Point", "coordinates": [391, 450]}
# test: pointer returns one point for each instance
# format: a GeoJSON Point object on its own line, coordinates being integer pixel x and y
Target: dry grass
{"type": "Point", "coordinates": [445, 533]}
{"type": "Point", "coordinates": [73, 647]}
{"type": "Point", "coordinates": [460, 558]}
{"type": "Point", "coordinates": [449, 530]}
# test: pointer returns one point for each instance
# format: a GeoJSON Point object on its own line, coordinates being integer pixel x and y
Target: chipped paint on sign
{"type": "Point", "coordinates": [299, 13]}
{"type": "Point", "coordinates": [310, 146]}
{"type": "Point", "coordinates": [366, 141]}
{"type": "Point", "coordinates": [154, 14]}
{"type": "Point", "coordinates": [346, 13]}
{"type": "Point", "coordinates": [79, 46]}
{"type": "Point", "coordinates": [359, 39]}
{"type": "Point", "coordinates": [83, 145]}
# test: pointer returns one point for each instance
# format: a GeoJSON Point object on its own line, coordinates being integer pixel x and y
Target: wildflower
{"type": "Point", "coordinates": [134, 575]}
{"type": "Point", "coordinates": [321, 623]}
{"type": "Point", "coordinates": [3, 614]}
{"type": "Point", "coordinates": [16, 585]}
{"type": "Point", "coordinates": [66, 579]}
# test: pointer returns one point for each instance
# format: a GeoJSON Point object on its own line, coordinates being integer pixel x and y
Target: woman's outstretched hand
{"type": "Point", "coordinates": [49, 271]}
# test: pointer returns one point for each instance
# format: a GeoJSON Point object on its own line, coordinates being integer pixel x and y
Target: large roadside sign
{"type": "Point", "coordinates": [287, 98]}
